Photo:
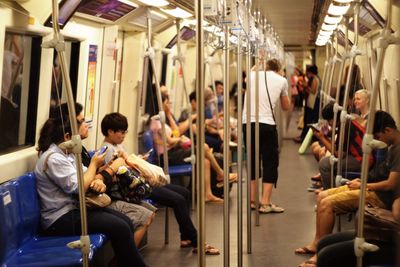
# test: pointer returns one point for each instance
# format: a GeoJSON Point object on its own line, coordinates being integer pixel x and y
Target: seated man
{"type": "Point", "coordinates": [114, 126]}
{"type": "Point", "coordinates": [380, 190]}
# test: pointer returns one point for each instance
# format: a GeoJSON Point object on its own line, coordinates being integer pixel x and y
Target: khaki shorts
{"type": "Point", "coordinates": [345, 200]}
{"type": "Point", "coordinates": [139, 215]}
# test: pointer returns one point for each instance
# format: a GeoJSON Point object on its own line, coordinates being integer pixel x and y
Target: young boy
{"type": "Point", "coordinates": [114, 127]}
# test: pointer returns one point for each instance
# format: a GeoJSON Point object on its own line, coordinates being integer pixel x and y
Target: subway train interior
{"type": "Point", "coordinates": [131, 133]}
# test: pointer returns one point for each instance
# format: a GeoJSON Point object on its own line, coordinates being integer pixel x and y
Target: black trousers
{"type": "Point", "coordinates": [115, 225]}
{"type": "Point", "coordinates": [269, 153]}
{"type": "Point", "coordinates": [338, 250]}
{"type": "Point", "coordinates": [178, 198]}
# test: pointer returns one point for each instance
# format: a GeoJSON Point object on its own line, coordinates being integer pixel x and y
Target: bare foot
{"type": "Point", "coordinates": [214, 199]}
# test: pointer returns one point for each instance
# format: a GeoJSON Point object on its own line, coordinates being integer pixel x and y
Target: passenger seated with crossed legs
{"type": "Point", "coordinates": [380, 190]}
{"type": "Point", "coordinates": [179, 148]}
{"type": "Point", "coordinates": [114, 127]}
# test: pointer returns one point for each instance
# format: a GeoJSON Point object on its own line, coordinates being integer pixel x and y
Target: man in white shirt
{"type": "Point", "coordinates": [272, 87]}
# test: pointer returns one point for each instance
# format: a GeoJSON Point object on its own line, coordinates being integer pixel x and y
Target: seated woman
{"type": "Point", "coordinates": [178, 151]}
{"type": "Point", "coordinates": [57, 186]}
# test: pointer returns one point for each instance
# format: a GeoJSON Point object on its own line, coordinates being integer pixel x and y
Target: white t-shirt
{"type": "Point", "coordinates": [277, 87]}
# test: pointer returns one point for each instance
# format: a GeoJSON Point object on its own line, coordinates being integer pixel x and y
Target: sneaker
{"type": "Point", "coordinates": [270, 208]}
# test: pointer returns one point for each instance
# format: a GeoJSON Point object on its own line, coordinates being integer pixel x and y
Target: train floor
{"type": "Point", "coordinates": [273, 241]}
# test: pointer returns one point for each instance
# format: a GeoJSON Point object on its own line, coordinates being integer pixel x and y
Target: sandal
{"type": "Point", "coordinates": [232, 179]}
{"type": "Point", "coordinates": [209, 250]}
{"type": "Point", "coordinates": [304, 251]}
{"type": "Point", "coordinates": [215, 201]}
{"type": "Point", "coordinates": [308, 263]}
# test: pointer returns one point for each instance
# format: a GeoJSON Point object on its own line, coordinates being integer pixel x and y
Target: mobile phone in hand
{"type": "Point", "coordinates": [103, 149]}
{"type": "Point", "coordinates": [147, 154]}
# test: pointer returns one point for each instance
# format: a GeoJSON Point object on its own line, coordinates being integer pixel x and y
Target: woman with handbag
{"type": "Point", "coordinates": [312, 97]}
{"type": "Point", "coordinates": [57, 185]}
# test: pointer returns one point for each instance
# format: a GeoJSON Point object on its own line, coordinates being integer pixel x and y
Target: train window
{"type": "Point", "coordinates": [19, 91]}
{"type": "Point", "coordinates": [58, 94]}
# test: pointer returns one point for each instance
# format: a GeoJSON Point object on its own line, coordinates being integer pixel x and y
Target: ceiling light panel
{"type": "Point", "coordinates": [177, 13]}
{"type": "Point", "coordinates": [156, 3]}
{"type": "Point", "coordinates": [338, 10]}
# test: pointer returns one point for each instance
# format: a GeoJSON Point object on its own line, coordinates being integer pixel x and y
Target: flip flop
{"type": "Point", "coordinates": [304, 251]}
{"type": "Point", "coordinates": [232, 179]}
{"type": "Point", "coordinates": [308, 263]}
{"type": "Point", "coordinates": [209, 250]}
{"type": "Point", "coordinates": [215, 201]}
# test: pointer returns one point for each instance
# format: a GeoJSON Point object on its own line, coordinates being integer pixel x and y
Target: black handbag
{"type": "Point", "coordinates": [131, 186]}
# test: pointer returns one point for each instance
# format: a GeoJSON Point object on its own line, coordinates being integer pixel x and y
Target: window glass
{"type": "Point", "coordinates": [58, 93]}
{"type": "Point", "coordinates": [19, 91]}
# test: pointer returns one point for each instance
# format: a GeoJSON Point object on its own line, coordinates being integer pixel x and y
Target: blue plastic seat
{"type": "Point", "coordinates": [20, 244]}
{"type": "Point", "coordinates": [174, 170]}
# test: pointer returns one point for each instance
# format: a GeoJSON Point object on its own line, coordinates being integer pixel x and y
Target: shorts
{"type": "Point", "coordinates": [345, 200]}
{"type": "Point", "coordinates": [137, 214]}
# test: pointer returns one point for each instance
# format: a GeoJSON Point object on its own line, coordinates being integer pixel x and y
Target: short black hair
{"type": "Point", "coordinates": [382, 121]}
{"type": "Point", "coordinates": [218, 82]}
{"type": "Point", "coordinates": [327, 112]}
{"type": "Point", "coordinates": [114, 121]}
{"type": "Point", "coordinates": [313, 69]}
{"type": "Point", "coordinates": [192, 96]}
{"type": "Point", "coordinates": [55, 111]}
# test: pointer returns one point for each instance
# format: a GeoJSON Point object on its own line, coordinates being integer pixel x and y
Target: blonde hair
{"type": "Point", "coordinates": [364, 92]}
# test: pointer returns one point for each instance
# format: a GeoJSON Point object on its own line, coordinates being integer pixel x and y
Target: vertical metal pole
{"type": "Point", "coordinates": [181, 62]}
{"type": "Point", "coordinates": [344, 116]}
{"type": "Point", "coordinates": [200, 132]}
{"type": "Point", "coordinates": [368, 137]}
{"type": "Point", "coordinates": [337, 107]}
{"type": "Point", "coordinates": [240, 152]}
{"type": "Point", "coordinates": [227, 135]}
{"type": "Point", "coordinates": [150, 55]}
{"type": "Point", "coordinates": [257, 135]}
{"type": "Point", "coordinates": [328, 65]}
{"type": "Point", "coordinates": [59, 45]}
{"type": "Point", "coordinates": [248, 140]}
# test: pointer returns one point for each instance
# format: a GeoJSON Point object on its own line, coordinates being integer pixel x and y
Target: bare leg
{"type": "Point", "coordinates": [209, 196]}
{"type": "Point", "coordinates": [213, 162]}
{"type": "Point", "coordinates": [253, 191]}
{"type": "Point", "coordinates": [139, 234]}
{"type": "Point", "coordinates": [266, 194]}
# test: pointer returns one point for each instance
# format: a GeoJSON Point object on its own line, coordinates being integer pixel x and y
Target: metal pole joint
{"type": "Point", "coordinates": [83, 244]}
{"type": "Point", "coordinates": [360, 246]}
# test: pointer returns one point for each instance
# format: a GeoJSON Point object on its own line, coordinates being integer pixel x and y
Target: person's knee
{"type": "Point", "coordinates": [325, 205]}
{"type": "Point", "coordinates": [321, 196]}
{"type": "Point", "coordinates": [150, 220]}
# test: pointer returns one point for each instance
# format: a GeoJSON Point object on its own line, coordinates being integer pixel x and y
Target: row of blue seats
{"type": "Point", "coordinates": [20, 242]}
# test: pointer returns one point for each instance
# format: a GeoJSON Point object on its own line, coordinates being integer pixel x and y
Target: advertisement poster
{"type": "Point", "coordinates": [91, 82]}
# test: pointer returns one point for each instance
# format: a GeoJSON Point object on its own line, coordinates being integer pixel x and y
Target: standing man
{"type": "Point", "coordinates": [272, 87]}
